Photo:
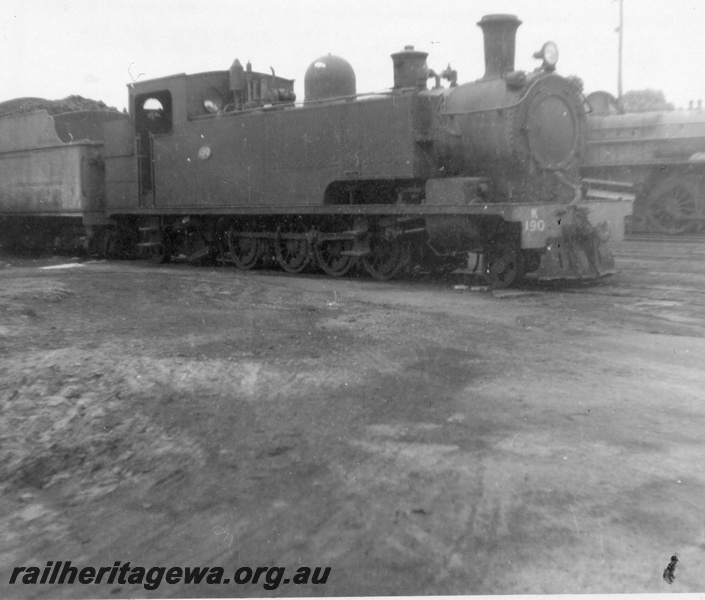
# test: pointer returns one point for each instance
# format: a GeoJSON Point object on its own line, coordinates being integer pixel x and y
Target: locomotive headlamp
{"type": "Point", "coordinates": [549, 55]}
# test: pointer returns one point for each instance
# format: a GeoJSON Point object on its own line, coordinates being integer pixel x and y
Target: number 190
{"type": "Point", "coordinates": [535, 225]}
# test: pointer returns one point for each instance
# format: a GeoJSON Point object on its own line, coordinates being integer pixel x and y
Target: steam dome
{"type": "Point", "coordinates": [329, 77]}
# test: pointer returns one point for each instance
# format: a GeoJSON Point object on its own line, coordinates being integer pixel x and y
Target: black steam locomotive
{"type": "Point", "coordinates": [227, 164]}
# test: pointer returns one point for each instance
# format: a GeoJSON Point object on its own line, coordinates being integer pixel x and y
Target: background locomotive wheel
{"type": "Point", "coordinates": [386, 259]}
{"type": "Point", "coordinates": [672, 205]}
{"type": "Point", "coordinates": [293, 253]}
{"type": "Point", "coordinates": [503, 265]}
{"type": "Point", "coordinates": [245, 251]}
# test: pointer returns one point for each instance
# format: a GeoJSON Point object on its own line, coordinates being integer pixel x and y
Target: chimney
{"type": "Point", "coordinates": [500, 40]}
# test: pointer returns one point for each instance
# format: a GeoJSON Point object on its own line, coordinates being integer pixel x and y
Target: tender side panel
{"type": "Point", "coordinates": [60, 180]}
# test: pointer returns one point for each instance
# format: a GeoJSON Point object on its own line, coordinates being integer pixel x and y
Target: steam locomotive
{"type": "Point", "coordinates": [660, 153]}
{"type": "Point", "coordinates": [227, 164]}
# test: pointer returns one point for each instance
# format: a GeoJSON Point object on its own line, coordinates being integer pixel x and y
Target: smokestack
{"type": "Point", "coordinates": [500, 41]}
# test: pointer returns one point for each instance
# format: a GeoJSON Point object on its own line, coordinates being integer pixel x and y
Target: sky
{"type": "Point", "coordinates": [94, 48]}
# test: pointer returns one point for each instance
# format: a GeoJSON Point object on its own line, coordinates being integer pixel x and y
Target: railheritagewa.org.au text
{"type": "Point", "coordinates": [65, 573]}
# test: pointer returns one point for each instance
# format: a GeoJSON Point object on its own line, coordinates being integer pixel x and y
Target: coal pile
{"type": "Point", "coordinates": [53, 107]}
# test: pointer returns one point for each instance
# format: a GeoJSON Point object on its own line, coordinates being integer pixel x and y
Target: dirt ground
{"type": "Point", "coordinates": [415, 437]}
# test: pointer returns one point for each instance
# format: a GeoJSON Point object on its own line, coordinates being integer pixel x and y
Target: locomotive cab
{"type": "Point", "coordinates": [163, 108]}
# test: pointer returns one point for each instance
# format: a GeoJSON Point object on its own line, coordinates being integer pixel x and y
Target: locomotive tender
{"type": "Point", "coordinates": [660, 153]}
{"type": "Point", "coordinates": [225, 163]}
{"type": "Point", "coordinates": [52, 181]}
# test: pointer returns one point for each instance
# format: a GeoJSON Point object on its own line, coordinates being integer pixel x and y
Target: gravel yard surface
{"type": "Point", "coordinates": [415, 437]}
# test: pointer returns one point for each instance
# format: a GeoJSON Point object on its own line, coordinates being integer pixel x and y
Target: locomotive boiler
{"type": "Point", "coordinates": [227, 164]}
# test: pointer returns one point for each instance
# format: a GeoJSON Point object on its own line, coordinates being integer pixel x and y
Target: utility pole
{"type": "Point", "coordinates": [620, 30]}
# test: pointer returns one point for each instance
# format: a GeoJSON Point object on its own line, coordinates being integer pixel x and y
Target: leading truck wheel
{"type": "Point", "coordinates": [672, 205]}
{"type": "Point", "coordinates": [503, 265]}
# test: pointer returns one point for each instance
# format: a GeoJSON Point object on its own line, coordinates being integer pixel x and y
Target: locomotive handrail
{"type": "Point", "coordinates": [481, 110]}
{"type": "Point", "coordinates": [383, 93]}
{"type": "Point", "coordinates": [508, 106]}
{"type": "Point", "coordinates": [300, 104]}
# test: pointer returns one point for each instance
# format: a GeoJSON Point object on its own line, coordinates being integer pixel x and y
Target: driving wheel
{"type": "Point", "coordinates": [292, 249]}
